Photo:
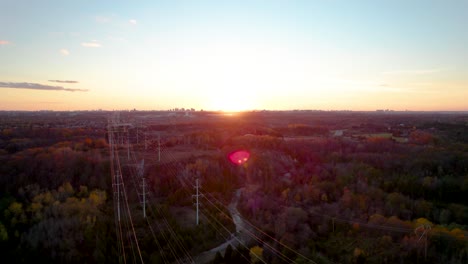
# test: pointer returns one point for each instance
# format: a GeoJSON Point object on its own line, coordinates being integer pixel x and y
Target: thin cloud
{"type": "Point", "coordinates": [93, 44]}
{"type": "Point", "coordinates": [102, 19]}
{"type": "Point", "coordinates": [132, 21]}
{"type": "Point", "coordinates": [64, 52]}
{"type": "Point", "coordinates": [4, 42]}
{"type": "Point", "coordinates": [37, 86]}
{"type": "Point", "coordinates": [63, 81]}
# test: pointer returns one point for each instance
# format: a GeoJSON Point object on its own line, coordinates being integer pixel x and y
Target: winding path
{"type": "Point", "coordinates": [236, 238]}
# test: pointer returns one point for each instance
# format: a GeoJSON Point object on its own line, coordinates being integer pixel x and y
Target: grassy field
{"type": "Point", "coordinates": [385, 135]}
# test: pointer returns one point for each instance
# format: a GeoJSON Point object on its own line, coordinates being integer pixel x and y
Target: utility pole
{"type": "Point", "coordinates": [159, 148]}
{"type": "Point", "coordinates": [144, 192]}
{"type": "Point", "coordinates": [128, 144]}
{"type": "Point", "coordinates": [114, 146]}
{"type": "Point", "coordinates": [141, 171]}
{"type": "Point", "coordinates": [143, 186]}
{"type": "Point", "coordinates": [197, 203]}
{"type": "Point", "coordinates": [117, 193]}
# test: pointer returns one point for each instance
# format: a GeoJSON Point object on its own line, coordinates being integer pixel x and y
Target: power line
{"type": "Point", "coordinates": [279, 254]}
{"type": "Point", "coordinates": [119, 186]}
{"type": "Point", "coordinates": [173, 169]}
{"type": "Point", "coordinates": [226, 238]}
{"type": "Point", "coordinates": [255, 237]}
{"type": "Point", "coordinates": [118, 226]}
{"type": "Point", "coordinates": [168, 227]}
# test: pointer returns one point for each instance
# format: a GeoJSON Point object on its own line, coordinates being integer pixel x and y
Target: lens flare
{"type": "Point", "coordinates": [239, 157]}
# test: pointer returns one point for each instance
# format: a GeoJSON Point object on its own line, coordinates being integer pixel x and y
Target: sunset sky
{"type": "Point", "coordinates": [234, 55]}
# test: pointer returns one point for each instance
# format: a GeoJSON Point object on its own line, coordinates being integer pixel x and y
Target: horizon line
{"type": "Point", "coordinates": [243, 111]}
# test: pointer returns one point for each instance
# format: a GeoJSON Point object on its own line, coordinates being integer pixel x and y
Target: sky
{"type": "Point", "coordinates": [234, 55]}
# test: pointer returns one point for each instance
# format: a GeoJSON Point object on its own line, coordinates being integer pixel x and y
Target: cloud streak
{"type": "Point", "coordinates": [64, 52]}
{"type": "Point", "coordinates": [37, 86]}
{"type": "Point", "coordinates": [132, 21]}
{"type": "Point", "coordinates": [4, 42]}
{"type": "Point", "coordinates": [63, 81]}
{"type": "Point", "coordinates": [93, 44]}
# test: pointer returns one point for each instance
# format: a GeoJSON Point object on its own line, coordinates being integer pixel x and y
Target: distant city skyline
{"type": "Point", "coordinates": [234, 55]}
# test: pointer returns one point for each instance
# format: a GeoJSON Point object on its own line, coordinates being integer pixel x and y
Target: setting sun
{"type": "Point", "coordinates": [232, 103]}
{"type": "Point", "coordinates": [233, 97]}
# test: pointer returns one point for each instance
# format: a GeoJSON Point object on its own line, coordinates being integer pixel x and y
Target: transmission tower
{"type": "Point", "coordinates": [159, 147]}
{"type": "Point", "coordinates": [143, 185]}
{"type": "Point", "coordinates": [114, 143]}
{"type": "Point", "coordinates": [117, 193]}
{"type": "Point", "coordinates": [119, 139]}
{"type": "Point", "coordinates": [128, 144]}
{"type": "Point", "coordinates": [197, 195]}
{"type": "Point", "coordinates": [144, 192]}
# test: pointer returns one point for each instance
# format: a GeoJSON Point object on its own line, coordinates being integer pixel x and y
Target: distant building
{"type": "Point", "coordinates": [338, 133]}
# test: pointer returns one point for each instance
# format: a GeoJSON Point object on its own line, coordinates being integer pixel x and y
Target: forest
{"type": "Point", "coordinates": [316, 187]}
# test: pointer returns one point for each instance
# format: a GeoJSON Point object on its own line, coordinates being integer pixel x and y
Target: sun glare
{"type": "Point", "coordinates": [235, 102]}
